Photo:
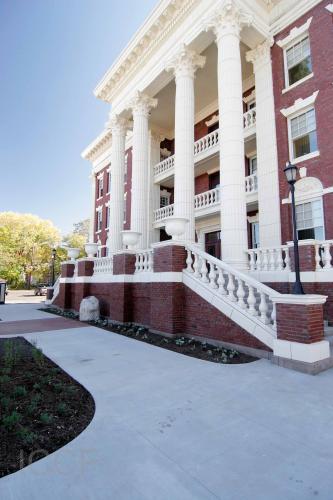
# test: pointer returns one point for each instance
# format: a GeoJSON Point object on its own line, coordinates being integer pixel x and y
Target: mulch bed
{"type": "Point", "coordinates": [41, 407]}
{"type": "Point", "coordinates": [183, 345]}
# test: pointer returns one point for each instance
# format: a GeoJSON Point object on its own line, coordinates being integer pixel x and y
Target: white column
{"type": "Point", "coordinates": [184, 65]}
{"type": "Point", "coordinates": [154, 191]}
{"type": "Point", "coordinates": [141, 105]}
{"type": "Point", "coordinates": [226, 24]}
{"type": "Point", "coordinates": [118, 127]}
{"type": "Point", "coordinates": [93, 208]}
{"type": "Point", "coordinates": [268, 181]}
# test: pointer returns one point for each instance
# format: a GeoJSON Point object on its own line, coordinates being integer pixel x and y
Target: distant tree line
{"type": "Point", "coordinates": [26, 244]}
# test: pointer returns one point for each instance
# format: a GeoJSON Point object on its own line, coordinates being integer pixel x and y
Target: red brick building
{"type": "Point", "coordinates": [210, 100]}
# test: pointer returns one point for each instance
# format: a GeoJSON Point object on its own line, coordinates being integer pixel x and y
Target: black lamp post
{"type": "Point", "coordinates": [291, 175]}
{"type": "Point", "coordinates": [54, 253]}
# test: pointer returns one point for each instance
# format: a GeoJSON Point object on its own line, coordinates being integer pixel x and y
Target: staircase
{"type": "Point", "coordinates": [240, 297]}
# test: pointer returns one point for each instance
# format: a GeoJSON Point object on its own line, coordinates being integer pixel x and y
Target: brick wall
{"type": "Point", "coordinates": [321, 41]}
{"type": "Point", "coordinates": [300, 323]}
{"type": "Point", "coordinates": [201, 183]}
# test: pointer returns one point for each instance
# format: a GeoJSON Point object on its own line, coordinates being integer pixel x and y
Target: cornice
{"type": "Point", "coordinates": [167, 15]}
{"type": "Point", "coordinates": [97, 146]}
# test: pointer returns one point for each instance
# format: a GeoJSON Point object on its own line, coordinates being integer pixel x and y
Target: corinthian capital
{"type": "Point", "coordinates": [185, 62]}
{"type": "Point", "coordinates": [141, 104]}
{"type": "Point", "coordinates": [261, 54]}
{"type": "Point", "coordinates": [227, 19]}
{"type": "Point", "coordinates": [117, 124]}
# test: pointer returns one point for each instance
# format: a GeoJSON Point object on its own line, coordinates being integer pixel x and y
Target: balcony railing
{"type": "Point", "coordinates": [163, 213]}
{"type": "Point", "coordinates": [207, 199]}
{"type": "Point", "coordinates": [204, 145]}
{"type": "Point", "coordinates": [250, 118]}
{"type": "Point", "coordinates": [103, 265]}
{"type": "Point", "coordinates": [207, 142]}
{"type": "Point", "coordinates": [251, 184]}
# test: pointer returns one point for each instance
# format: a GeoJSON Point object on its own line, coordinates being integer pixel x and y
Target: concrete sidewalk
{"type": "Point", "coordinates": [170, 427]}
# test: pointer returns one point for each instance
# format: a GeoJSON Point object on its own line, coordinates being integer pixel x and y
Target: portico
{"type": "Point", "coordinates": [169, 117]}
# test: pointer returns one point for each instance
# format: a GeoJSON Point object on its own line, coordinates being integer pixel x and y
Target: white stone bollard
{"type": "Point", "coordinates": [89, 309]}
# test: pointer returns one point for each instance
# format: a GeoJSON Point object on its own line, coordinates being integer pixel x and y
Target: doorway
{"type": "Point", "coordinates": [213, 244]}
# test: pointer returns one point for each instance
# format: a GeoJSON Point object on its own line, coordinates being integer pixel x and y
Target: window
{"type": "Point", "coordinates": [253, 165]}
{"type": "Point", "coordinates": [309, 220]}
{"type": "Point", "coordinates": [100, 187]}
{"type": "Point", "coordinates": [255, 234]}
{"type": "Point", "coordinates": [298, 61]}
{"type": "Point", "coordinates": [214, 180]}
{"type": "Point", "coordinates": [251, 104]}
{"type": "Point", "coordinates": [107, 221]}
{"type": "Point", "coordinates": [303, 134]}
{"type": "Point", "coordinates": [164, 198]}
{"type": "Point", "coordinates": [125, 207]}
{"type": "Point", "coordinates": [99, 220]}
{"type": "Point", "coordinates": [125, 169]}
{"type": "Point", "coordinates": [109, 182]}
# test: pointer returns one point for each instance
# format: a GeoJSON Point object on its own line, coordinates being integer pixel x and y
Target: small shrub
{"type": "Point", "coordinates": [4, 379]}
{"type": "Point", "coordinates": [45, 418]}
{"type": "Point", "coordinates": [180, 341]}
{"type": "Point", "coordinates": [58, 388]}
{"type": "Point", "coordinates": [36, 386]}
{"type": "Point", "coordinates": [19, 391]}
{"type": "Point", "coordinates": [9, 422]}
{"type": "Point", "coordinates": [27, 436]}
{"type": "Point", "coordinates": [12, 353]}
{"type": "Point", "coordinates": [5, 402]}
{"type": "Point", "coordinates": [37, 355]}
{"type": "Point", "coordinates": [62, 408]}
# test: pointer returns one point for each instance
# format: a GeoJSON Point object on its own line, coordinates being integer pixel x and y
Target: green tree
{"type": "Point", "coordinates": [26, 242]}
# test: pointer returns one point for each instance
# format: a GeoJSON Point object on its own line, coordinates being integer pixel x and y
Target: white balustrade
{"type": "Point", "coordinates": [164, 212]}
{"type": "Point", "coordinates": [323, 255]}
{"type": "Point", "coordinates": [207, 142]}
{"type": "Point", "coordinates": [269, 259]}
{"type": "Point", "coordinates": [207, 199]}
{"type": "Point", "coordinates": [251, 184]}
{"type": "Point", "coordinates": [252, 296]}
{"type": "Point", "coordinates": [165, 165]}
{"type": "Point", "coordinates": [103, 265]}
{"type": "Point", "coordinates": [144, 261]}
{"type": "Point", "coordinates": [250, 118]}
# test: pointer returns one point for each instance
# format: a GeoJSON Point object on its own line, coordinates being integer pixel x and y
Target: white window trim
{"type": "Point", "coordinates": [291, 87]}
{"type": "Point", "coordinates": [311, 199]}
{"type": "Point", "coordinates": [299, 105]}
{"type": "Point", "coordinates": [329, 7]}
{"type": "Point", "coordinates": [309, 156]}
{"type": "Point", "coordinates": [295, 36]}
{"type": "Point", "coordinates": [250, 97]}
{"type": "Point", "coordinates": [214, 119]}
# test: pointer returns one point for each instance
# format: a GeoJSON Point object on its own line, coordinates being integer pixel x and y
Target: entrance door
{"type": "Point", "coordinates": [213, 244]}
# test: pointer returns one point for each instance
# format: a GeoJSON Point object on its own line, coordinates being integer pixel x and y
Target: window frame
{"type": "Point", "coordinates": [312, 200]}
{"type": "Point", "coordinates": [292, 43]}
{"type": "Point", "coordinates": [99, 222]}
{"type": "Point", "coordinates": [291, 117]}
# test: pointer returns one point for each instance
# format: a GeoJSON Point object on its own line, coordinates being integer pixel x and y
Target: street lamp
{"type": "Point", "coordinates": [54, 253]}
{"type": "Point", "coordinates": [291, 175]}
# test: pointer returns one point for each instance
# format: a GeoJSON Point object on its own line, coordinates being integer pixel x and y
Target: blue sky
{"type": "Point", "coordinates": [52, 54]}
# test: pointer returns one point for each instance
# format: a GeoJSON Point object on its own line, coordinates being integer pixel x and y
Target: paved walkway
{"type": "Point", "coordinates": [170, 427]}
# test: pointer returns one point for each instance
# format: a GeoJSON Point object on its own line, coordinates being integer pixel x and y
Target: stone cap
{"type": "Point", "coordinates": [304, 300]}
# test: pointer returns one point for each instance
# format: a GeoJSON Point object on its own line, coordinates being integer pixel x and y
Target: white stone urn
{"type": "Point", "coordinates": [175, 226]}
{"type": "Point", "coordinates": [73, 253]}
{"type": "Point", "coordinates": [91, 249]}
{"type": "Point", "coordinates": [130, 238]}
